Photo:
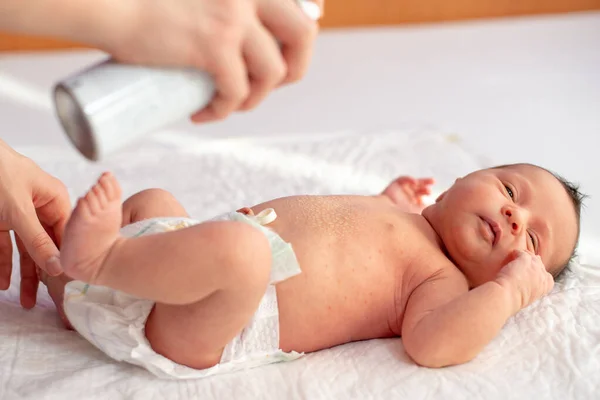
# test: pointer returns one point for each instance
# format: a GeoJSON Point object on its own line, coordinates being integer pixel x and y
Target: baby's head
{"type": "Point", "coordinates": [487, 215]}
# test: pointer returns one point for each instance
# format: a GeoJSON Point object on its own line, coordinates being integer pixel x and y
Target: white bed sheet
{"type": "Point", "coordinates": [550, 351]}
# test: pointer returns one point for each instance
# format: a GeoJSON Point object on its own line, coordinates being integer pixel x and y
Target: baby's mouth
{"type": "Point", "coordinates": [494, 230]}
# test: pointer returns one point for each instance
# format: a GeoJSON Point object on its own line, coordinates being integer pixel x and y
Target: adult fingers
{"type": "Point", "coordinates": [53, 209]}
{"type": "Point", "coordinates": [231, 81]}
{"type": "Point", "coordinates": [36, 241]}
{"type": "Point", "coordinates": [6, 253]}
{"type": "Point", "coordinates": [321, 4]}
{"type": "Point", "coordinates": [29, 277]}
{"type": "Point", "coordinates": [266, 67]}
{"type": "Point", "coordinates": [294, 30]}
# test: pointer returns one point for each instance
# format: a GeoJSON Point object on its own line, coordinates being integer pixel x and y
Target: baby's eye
{"type": "Point", "coordinates": [532, 238]}
{"type": "Point", "coordinates": [509, 191]}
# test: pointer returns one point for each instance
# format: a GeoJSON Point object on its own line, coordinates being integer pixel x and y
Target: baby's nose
{"type": "Point", "coordinates": [514, 219]}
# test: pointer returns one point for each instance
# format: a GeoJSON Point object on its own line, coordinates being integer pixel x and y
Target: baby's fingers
{"type": "Point", "coordinates": [406, 181]}
{"type": "Point", "coordinates": [545, 279]}
{"type": "Point", "coordinates": [425, 190]}
{"type": "Point", "coordinates": [537, 262]}
{"type": "Point", "coordinates": [424, 185]}
{"type": "Point", "coordinates": [523, 255]}
{"type": "Point", "coordinates": [548, 282]}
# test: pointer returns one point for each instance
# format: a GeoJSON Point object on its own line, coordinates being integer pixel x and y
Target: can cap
{"type": "Point", "coordinates": [75, 122]}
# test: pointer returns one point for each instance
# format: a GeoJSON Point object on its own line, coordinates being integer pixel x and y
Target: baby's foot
{"type": "Point", "coordinates": [92, 230]}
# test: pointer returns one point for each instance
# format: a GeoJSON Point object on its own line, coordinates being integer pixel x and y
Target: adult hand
{"type": "Point", "coordinates": [36, 207]}
{"type": "Point", "coordinates": [248, 46]}
{"type": "Point", "coordinates": [236, 41]}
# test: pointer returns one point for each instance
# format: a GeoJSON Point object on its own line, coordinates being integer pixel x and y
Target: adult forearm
{"type": "Point", "coordinates": [97, 23]}
{"type": "Point", "coordinates": [456, 332]}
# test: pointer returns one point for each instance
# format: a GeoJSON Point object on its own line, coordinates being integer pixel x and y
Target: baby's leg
{"type": "Point", "coordinates": [207, 280]}
{"type": "Point", "coordinates": [146, 204]}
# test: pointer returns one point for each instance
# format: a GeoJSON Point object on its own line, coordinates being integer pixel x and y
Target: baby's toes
{"type": "Point", "coordinates": [82, 208]}
{"type": "Point", "coordinates": [100, 195]}
{"type": "Point", "coordinates": [110, 186]}
{"type": "Point", "coordinates": [90, 201]}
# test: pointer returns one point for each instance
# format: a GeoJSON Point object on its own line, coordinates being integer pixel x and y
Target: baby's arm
{"type": "Point", "coordinates": [445, 323]}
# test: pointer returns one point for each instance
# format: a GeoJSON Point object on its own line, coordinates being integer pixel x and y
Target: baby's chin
{"type": "Point", "coordinates": [479, 273]}
{"type": "Point", "coordinates": [464, 247]}
{"type": "Point", "coordinates": [478, 267]}
{"type": "Point", "coordinates": [426, 212]}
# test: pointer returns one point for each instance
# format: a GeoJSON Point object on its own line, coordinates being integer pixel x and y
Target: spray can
{"type": "Point", "coordinates": [110, 105]}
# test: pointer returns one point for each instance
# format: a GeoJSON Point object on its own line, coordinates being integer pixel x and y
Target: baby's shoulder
{"type": "Point", "coordinates": [428, 261]}
{"type": "Point", "coordinates": [429, 275]}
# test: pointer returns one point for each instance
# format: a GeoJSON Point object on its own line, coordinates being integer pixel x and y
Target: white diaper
{"type": "Point", "coordinates": [114, 321]}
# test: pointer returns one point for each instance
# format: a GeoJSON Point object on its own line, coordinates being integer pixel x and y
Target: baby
{"type": "Point", "coordinates": [298, 274]}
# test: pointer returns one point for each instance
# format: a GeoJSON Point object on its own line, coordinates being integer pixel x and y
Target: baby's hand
{"type": "Point", "coordinates": [407, 192]}
{"type": "Point", "coordinates": [246, 211]}
{"type": "Point", "coordinates": [526, 278]}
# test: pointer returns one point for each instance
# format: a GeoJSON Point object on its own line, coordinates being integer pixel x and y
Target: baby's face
{"type": "Point", "coordinates": [488, 214]}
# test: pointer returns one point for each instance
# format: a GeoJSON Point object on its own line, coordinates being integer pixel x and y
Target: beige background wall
{"type": "Point", "coordinates": [348, 13]}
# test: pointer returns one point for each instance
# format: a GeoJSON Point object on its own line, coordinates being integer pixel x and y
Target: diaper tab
{"type": "Point", "coordinates": [265, 217]}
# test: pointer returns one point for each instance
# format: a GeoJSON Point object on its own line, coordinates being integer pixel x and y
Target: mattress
{"type": "Point", "coordinates": [551, 350]}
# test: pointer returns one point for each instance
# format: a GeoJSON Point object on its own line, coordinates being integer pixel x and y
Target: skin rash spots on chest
{"type": "Point", "coordinates": [336, 220]}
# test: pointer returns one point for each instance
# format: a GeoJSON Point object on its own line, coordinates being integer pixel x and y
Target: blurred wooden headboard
{"type": "Point", "coordinates": [350, 13]}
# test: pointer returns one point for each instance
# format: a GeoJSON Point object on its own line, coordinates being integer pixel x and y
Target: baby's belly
{"type": "Point", "coordinates": [315, 316]}
{"type": "Point", "coordinates": [350, 251]}
{"type": "Point", "coordinates": [346, 289]}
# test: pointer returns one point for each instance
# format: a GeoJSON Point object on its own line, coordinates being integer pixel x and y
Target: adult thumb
{"type": "Point", "coordinates": [37, 242]}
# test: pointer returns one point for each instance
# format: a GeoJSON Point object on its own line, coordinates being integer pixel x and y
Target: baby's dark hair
{"type": "Point", "coordinates": [577, 198]}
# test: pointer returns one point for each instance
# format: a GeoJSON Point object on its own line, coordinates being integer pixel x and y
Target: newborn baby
{"type": "Point", "coordinates": [187, 299]}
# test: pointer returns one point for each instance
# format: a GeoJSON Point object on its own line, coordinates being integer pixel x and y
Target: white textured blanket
{"type": "Point", "coordinates": [549, 351]}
